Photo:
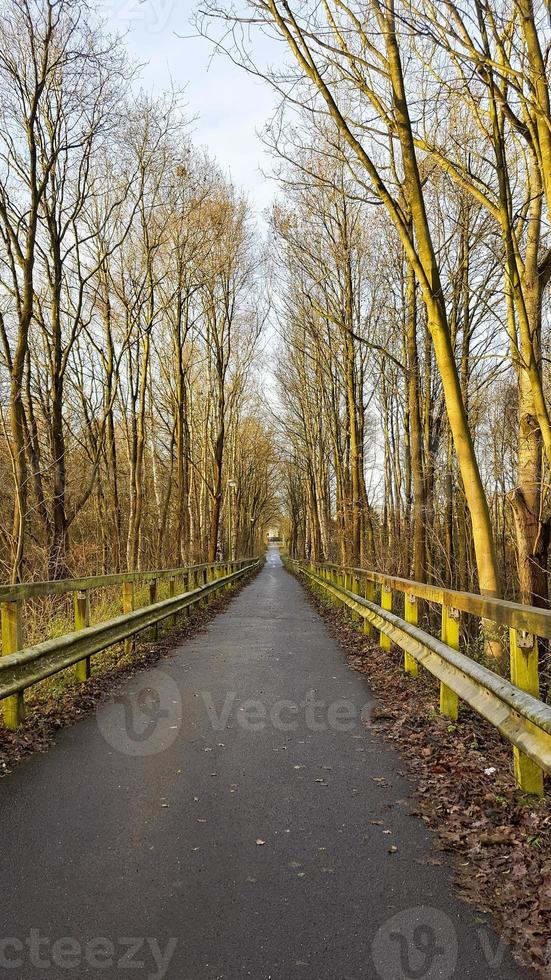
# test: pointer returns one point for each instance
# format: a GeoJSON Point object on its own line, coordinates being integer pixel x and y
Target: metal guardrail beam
{"type": "Point", "coordinates": [520, 716]}
{"type": "Point", "coordinates": [26, 667]}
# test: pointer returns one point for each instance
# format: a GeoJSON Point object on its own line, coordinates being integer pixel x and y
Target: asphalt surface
{"type": "Point", "coordinates": [188, 833]}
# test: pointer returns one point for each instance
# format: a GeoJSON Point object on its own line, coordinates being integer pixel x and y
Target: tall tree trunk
{"type": "Point", "coordinates": [416, 432]}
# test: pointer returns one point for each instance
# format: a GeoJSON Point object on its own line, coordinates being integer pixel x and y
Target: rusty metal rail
{"type": "Point", "coordinates": [22, 668]}
{"type": "Point", "coordinates": [513, 707]}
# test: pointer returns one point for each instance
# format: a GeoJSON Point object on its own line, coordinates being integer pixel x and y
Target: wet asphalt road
{"type": "Point", "coordinates": [132, 849]}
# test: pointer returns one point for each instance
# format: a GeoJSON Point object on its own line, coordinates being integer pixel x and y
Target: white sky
{"type": "Point", "coordinates": [231, 106]}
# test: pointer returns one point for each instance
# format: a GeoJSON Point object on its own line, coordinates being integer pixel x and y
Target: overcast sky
{"type": "Point", "coordinates": [230, 105]}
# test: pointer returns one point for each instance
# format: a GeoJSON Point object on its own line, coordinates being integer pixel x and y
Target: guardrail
{"type": "Point", "coordinates": [513, 707]}
{"type": "Point", "coordinates": [21, 668]}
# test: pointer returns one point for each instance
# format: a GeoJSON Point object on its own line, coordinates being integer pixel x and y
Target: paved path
{"type": "Point", "coordinates": [136, 840]}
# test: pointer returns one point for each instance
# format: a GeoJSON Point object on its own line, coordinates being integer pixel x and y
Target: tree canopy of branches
{"type": "Point", "coordinates": [130, 316]}
{"type": "Point", "coordinates": [406, 280]}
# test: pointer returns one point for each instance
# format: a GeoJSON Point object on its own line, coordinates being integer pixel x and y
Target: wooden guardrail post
{"type": "Point", "coordinates": [341, 582]}
{"type": "Point", "coordinates": [320, 572]}
{"type": "Point", "coordinates": [355, 587]}
{"type": "Point", "coordinates": [128, 605]}
{"type": "Point", "coordinates": [449, 702]}
{"type": "Point", "coordinates": [336, 580]}
{"type": "Point", "coordinates": [525, 674]}
{"type": "Point", "coordinates": [200, 581]}
{"type": "Point", "coordinates": [152, 601]}
{"type": "Point", "coordinates": [386, 604]}
{"type": "Point", "coordinates": [412, 616]}
{"type": "Point", "coordinates": [12, 641]}
{"type": "Point", "coordinates": [185, 588]}
{"type": "Point", "coordinates": [172, 595]}
{"type": "Point", "coordinates": [81, 604]}
{"type": "Point", "coordinates": [369, 593]}
{"type": "Point", "coordinates": [347, 583]}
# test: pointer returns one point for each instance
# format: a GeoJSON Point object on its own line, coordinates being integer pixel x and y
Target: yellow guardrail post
{"type": "Point", "coordinates": [336, 580]}
{"type": "Point", "coordinates": [81, 604]}
{"type": "Point", "coordinates": [449, 702]}
{"type": "Point", "coordinates": [171, 595]}
{"type": "Point", "coordinates": [356, 589]}
{"type": "Point", "coordinates": [185, 588]}
{"type": "Point", "coordinates": [348, 587]}
{"type": "Point", "coordinates": [128, 604]}
{"type": "Point", "coordinates": [386, 603]}
{"type": "Point", "coordinates": [525, 674]}
{"type": "Point", "coordinates": [152, 601]}
{"type": "Point", "coordinates": [369, 594]}
{"type": "Point", "coordinates": [412, 616]}
{"type": "Point", "coordinates": [341, 581]}
{"type": "Point", "coordinates": [12, 641]}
